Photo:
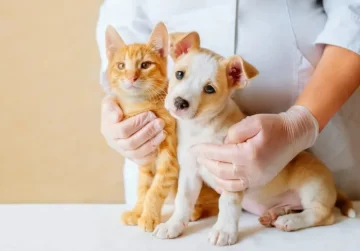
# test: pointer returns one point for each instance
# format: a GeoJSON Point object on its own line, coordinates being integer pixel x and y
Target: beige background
{"type": "Point", "coordinates": [51, 148]}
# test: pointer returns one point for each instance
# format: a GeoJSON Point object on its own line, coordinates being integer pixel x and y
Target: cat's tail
{"type": "Point", "coordinates": [345, 205]}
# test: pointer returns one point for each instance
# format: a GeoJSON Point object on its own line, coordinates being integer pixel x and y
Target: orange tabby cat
{"type": "Point", "coordinates": [137, 76]}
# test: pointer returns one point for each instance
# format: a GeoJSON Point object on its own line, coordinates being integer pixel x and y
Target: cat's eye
{"type": "Point", "coordinates": [179, 75]}
{"type": "Point", "coordinates": [209, 89]}
{"type": "Point", "coordinates": [145, 65]}
{"type": "Point", "coordinates": [121, 66]}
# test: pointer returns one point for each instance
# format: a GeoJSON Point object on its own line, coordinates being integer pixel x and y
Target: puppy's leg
{"type": "Point", "coordinates": [225, 230]}
{"type": "Point", "coordinates": [268, 218]}
{"type": "Point", "coordinates": [188, 192]}
{"type": "Point", "coordinates": [207, 204]}
{"type": "Point", "coordinates": [146, 177]}
{"type": "Point", "coordinates": [317, 201]}
{"type": "Point", "coordinates": [316, 215]}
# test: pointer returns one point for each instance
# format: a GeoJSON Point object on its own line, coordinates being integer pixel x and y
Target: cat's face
{"type": "Point", "coordinates": [138, 70]}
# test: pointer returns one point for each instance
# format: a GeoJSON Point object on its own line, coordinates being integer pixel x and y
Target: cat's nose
{"type": "Point", "coordinates": [133, 78]}
{"type": "Point", "coordinates": [181, 104]}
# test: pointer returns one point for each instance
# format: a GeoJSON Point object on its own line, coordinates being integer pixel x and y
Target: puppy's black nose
{"type": "Point", "coordinates": [181, 103]}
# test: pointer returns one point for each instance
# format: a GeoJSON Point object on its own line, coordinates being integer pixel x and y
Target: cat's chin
{"type": "Point", "coordinates": [133, 91]}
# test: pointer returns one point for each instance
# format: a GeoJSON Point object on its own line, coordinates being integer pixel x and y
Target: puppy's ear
{"type": "Point", "coordinates": [174, 38]}
{"type": "Point", "coordinates": [239, 72]}
{"type": "Point", "coordinates": [158, 40]}
{"type": "Point", "coordinates": [181, 43]}
{"type": "Point", "coordinates": [113, 42]}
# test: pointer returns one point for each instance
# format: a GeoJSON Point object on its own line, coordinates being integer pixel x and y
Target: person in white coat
{"type": "Point", "coordinates": [307, 53]}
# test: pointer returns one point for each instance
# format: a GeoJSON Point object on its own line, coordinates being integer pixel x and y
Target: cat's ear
{"type": "Point", "coordinates": [181, 43]}
{"type": "Point", "coordinates": [159, 39]}
{"type": "Point", "coordinates": [113, 42]}
{"type": "Point", "coordinates": [239, 72]}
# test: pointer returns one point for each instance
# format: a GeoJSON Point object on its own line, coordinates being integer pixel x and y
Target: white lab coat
{"type": "Point", "coordinates": [284, 39]}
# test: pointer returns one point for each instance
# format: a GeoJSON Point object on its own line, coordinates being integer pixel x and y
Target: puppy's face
{"type": "Point", "coordinates": [202, 81]}
{"type": "Point", "coordinates": [198, 86]}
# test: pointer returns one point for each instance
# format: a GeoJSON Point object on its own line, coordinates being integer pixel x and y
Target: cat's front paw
{"type": "Point", "coordinates": [130, 218]}
{"type": "Point", "coordinates": [169, 230]}
{"type": "Point", "coordinates": [148, 223]}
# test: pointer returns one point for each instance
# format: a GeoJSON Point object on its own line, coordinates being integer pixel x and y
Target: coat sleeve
{"type": "Point", "coordinates": [343, 24]}
{"type": "Point", "coordinates": [129, 18]}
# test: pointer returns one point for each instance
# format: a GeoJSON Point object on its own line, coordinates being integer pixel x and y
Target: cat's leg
{"type": "Point", "coordinates": [188, 191]}
{"type": "Point", "coordinates": [145, 179]}
{"type": "Point", "coordinates": [196, 213]}
{"type": "Point", "coordinates": [225, 230]}
{"type": "Point", "coordinates": [167, 171]}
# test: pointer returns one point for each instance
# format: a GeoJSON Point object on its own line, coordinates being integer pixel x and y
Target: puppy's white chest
{"type": "Point", "coordinates": [189, 136]}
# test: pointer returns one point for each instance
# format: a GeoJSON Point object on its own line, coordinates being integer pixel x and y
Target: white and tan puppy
{"type": "Point", "coordinates": [199, 97]}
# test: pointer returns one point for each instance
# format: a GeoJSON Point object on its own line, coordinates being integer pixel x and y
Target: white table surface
{"type": "Point", "coordinates": [98, 228]}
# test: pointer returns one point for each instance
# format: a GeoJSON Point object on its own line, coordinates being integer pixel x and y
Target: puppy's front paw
{"type": "Point", "coordinates": [130, 218]}
{"type": "Point", "coordinates": [223, 234]}
{"type": "Point", "coordinates": [148, 223]}
{"type": "Point", "coordinates": [169, 230]}
{"type": "Point", "coordinates": [222, 238]}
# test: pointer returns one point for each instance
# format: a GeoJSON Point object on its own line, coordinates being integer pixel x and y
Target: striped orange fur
{"type": "Point", "coordinates": [157, 179]}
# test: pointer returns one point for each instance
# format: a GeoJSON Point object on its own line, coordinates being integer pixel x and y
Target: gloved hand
{"type": "Point", "coordinates": [136, 138]}
{"type": "Point", "coordinates": [258, 147]}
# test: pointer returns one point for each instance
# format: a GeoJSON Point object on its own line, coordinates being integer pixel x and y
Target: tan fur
{"type": "Point", "coordinates": [304, 173]}
{"type": "Point", "coordinates": [344, 204]}
{"type": "Point", "coordinates": [303, 170]}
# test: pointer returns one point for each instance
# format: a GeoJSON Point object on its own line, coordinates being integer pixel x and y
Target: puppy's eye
{"type": "Point", "coordinates": [145, 65]}
{"type": "Point", "coordinates": [209, 89]}
{"type": "Point", "coordinates": [179, 75]}
{"type": "Point", "coordinates": [121, 66]}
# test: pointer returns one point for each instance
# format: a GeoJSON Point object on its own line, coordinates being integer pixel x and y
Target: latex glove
{"type": "Point", "coordinates": [258, 147]}
{"type": "Point", "coordinates": [136, 138]}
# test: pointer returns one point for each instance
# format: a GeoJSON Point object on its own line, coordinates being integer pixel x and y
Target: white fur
{"type": "Point", "coordinates": [190, 132]}
{"type": "Point", "coordinates": [225, 230]}
{"type": "Point", "coordinates": [191, 176]}
{"type": "Point", "coordinates": [201, 69]}
{"type": "Point", "coordinates": [352, 213]}
{"type": "Point", "coordinates": [292, 222]}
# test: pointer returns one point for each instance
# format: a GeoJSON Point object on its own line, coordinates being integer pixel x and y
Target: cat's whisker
{"type": "Point", "coordinates": [157, 94]}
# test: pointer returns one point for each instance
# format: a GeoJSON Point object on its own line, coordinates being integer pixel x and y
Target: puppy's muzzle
{"type": "Point", "coordinates": [181, 104]}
